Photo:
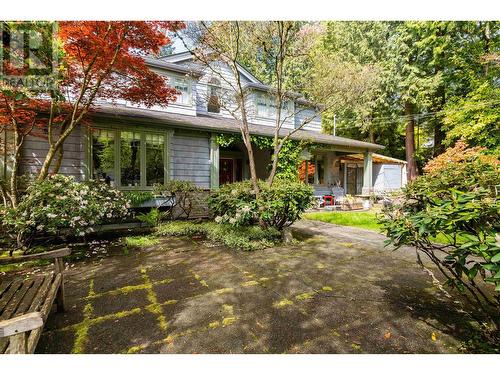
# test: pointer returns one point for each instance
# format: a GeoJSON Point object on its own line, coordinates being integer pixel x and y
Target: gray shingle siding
{"type": "Point", "coordinates": [190, 158]}
{"type": "Point", "coordinates": [73, 164]}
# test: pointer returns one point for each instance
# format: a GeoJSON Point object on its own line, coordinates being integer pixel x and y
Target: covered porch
{"type": "Point", "coordinates": [338, 181]}
{"type": "Point", "coordinates": [331, 171]}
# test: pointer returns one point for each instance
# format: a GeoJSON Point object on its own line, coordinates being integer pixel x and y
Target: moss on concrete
{"type": "Point", "coordinates": [283, 303]}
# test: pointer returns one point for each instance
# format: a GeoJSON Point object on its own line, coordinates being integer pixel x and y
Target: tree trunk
{"type": "Point", "coordinates": [44, 171]}
{"type": "Point", "coordinates": [15, 166]}
{"type": "Point", "coordinates": [251, 161]}
{"type": "Point", "coordinates": [57, 165]}
{"type": "Point", "coordinates": [410, 142]}
{"type": "Point", "coordinates": [371, 132]}
{"type": "Point", "coordinates": [487, 44]}
{"type": "Point", "coordinates": [274, 168]}
{"type": "Point", "coordinates": [439, 134]}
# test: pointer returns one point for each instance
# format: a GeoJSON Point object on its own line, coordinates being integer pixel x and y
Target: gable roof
{"type": "Point", "coordinates": [187, 55]}
{"type": "Point", "coordinates": [159, 63]}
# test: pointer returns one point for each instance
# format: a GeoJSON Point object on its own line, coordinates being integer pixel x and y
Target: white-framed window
{"type": "Point", "coordinates": [183, 86]}
{"type": "Point", "coordinates": [130, 159]}
{"type": "Point", "coordinates": [262, 105]}
{"type": "Point", "coordinates": [214, 93]}
{"type": "Point", "coordinates": [266, 106]}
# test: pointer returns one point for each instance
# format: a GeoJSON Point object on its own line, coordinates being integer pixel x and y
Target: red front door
{"type": "Point", "coordinates": [226, 171]}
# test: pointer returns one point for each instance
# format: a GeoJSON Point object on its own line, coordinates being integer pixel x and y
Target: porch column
{"type": "Point", "coordinates": [316, 176]}
{"type": "Point", "coordinates": [367, 174]}
{"type": "Point", "coordinates": [329, 173]}
{"type": "Point", "coordinates": [214, 163]}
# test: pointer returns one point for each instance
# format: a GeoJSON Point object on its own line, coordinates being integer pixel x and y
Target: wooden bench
{"type": "Point", "coordinates": [25, 303]}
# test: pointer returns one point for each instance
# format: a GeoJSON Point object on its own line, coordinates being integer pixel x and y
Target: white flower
{"type": "Point", "coordinates": [218, 219]}
{"type": "Point", "coordinates": [39, 227]}
{"type": "Point", "coordinates": [51, 215]}
{"type": "Point", "coordinates": [232, 221]}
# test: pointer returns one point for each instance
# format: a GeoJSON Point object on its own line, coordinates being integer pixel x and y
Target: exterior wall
{"type": "Point", "coordinates": [388, 177]}
{"type": "Point", "coordinates": [227, 81]}
{"type": "Point", "coordinates": [251, 101]}
{"type": "Point", "coordinates": [73, 164]}
{"type": "Point", "coordinates": [302, 114]}
{"type": "Point", "coordinates": [225, 75]}
{"type": "Point", "coordinates": [173, 107]}
{"type": "Point", "coordinates": [190, 158]}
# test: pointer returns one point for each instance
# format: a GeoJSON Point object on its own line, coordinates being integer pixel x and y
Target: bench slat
{"type": "Point", "coordinates": [7, 296]}
{"type": "Point", "coordinates": [45, 309]}
{"type": "Point", "coordinates": [30, 296]}
{"type": "Point", "coordinates": [44, 298]}
{"type": "Point", "coordinates": [42, 294]}
{"type": "Point", "coordinates": [59, 253]}
{"type": "Point", "coordinates": [16, 299]}
{"type": "Point", "coordinates": [3, 286]}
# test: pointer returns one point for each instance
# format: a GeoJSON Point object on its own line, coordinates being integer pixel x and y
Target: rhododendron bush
{"type": "Point", "coordinates": [60, 205]}
{"type": "Point", "coordinates": [456, 200]}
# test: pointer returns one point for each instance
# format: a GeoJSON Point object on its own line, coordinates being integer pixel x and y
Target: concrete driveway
{"type": "Point", "coordinates": [337, 291]}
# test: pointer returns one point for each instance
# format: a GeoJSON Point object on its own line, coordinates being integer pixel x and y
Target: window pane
{"type": "Point", "coordinates": [155, 164]}
{"type": "Point", "coordinates": [272, 109]}
{"type": "Point", "coordinates": [213, 99]}
{"type": "Point", "coordinates": [182, 86]}
{"type": "Point", "coordinates": [103, 156]}
{"type": "Point", "coordinates": [130, 158]}
{"type": "Point", "coordinates": [261, 106]}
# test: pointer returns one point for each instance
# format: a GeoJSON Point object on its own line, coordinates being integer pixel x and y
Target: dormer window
{"type": "Point", "coordinates": [214, 89]}
{"type": "Point", "coordinates": [183, 86]}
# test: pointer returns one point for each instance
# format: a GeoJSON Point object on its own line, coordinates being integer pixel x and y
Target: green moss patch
{"type": "Point", "coordinates": [365, 220]}
{"type": "Point", "coordinates": [141, 241]}
{"type": "Point", "coordinates": [245, 238]}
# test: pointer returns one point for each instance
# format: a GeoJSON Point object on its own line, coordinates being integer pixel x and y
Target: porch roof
{"type": "Point", "coordinates": [377, 158]}
{"type": "Point", "coordinates": [221, 124]}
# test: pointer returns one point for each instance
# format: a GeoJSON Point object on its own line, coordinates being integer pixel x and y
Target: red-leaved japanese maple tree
{"type": "Point", "coordinates": [99, 60]}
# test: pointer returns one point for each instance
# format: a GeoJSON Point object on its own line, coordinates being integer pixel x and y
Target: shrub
{"type": "Point", "coordinates": [282, 204]}
{"type": "Point", "coordinates": [278, 206]}
{"type": "Point", "coordinates": [60, 203]}
{"type": "Point", "coordinates": [184, 192]}
{"type": "Point", "coordinates": [235, 204]}
{"type": "Point", "coordinates": [455, 199]}
{"type": "Point", "coordinates": [153, 217]}
{"type": "Point", "coordinates": [245, 238]}
{"type": "Point", "coordinates": [136, 198]}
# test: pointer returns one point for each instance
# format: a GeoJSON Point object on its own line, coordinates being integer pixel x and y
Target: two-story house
{"type": "Point", "coordinates": [133, 148]}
